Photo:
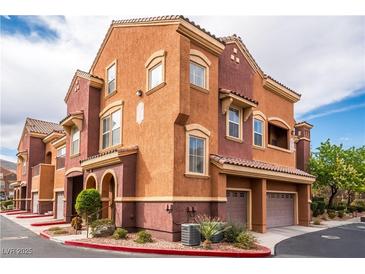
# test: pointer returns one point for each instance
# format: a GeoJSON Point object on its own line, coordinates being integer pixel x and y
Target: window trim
{"type": "Point", "coordinates": [240, 126]}
{"type": "Point", "coordinates": [200, 59]}
{"type": "Point", "coordinates": [106, 91]}
{"type": "Point", "coordinates": [107, 112]}
{"type": "Point", "coordinates": [71, 142]}
{"type": "Point", "coordinates": [198, 131]}
{"type": "Point", "coordinates": [59, 148]}
{"type": "Point", "coordinates": [155, 59]}
{"type": "Point", "coordinates": [257, 117]}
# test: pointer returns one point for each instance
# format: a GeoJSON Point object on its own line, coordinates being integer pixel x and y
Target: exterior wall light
{"type": "Point", "coordinates": [139, 93]}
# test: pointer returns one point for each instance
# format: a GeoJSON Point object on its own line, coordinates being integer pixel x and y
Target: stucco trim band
{"type": "Point", "coordinates": [171, 199]}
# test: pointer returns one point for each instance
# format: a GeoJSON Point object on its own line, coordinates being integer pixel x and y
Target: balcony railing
{"type": "Point", "coordinates": [60, 162]}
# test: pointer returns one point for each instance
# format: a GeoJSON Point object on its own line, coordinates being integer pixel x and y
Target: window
{"type": "Point", "coordinates": [61, 152]}
{"type": "Point", "coordinates": [111, 130]}
{"type": "Point", "coordinates": [197, 75]}
{"type": "Point", "coordinates": [155, 76]}
{"type": "Point", "coordinates": [196, 154]}
{"type": "Point", "coordinates": [234, 123]}
{"type": "Point", "coordinates": [197, 150]}
{"type": "Point", "coordinates": [278, 136]}
{"type": "Point", "coordinates": [75, 141]}
{"type": "Point", "coordinates": [111, 76]}
{"type": "Point", "coordinates": [24, 167]}
{"type": "Point", "coordinates": [258, 132]}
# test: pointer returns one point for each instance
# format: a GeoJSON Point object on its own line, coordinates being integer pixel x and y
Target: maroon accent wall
{"type": "Point", "coordinates": [238, 77]}
{"type": "Point", "coordinates": [302, 154]}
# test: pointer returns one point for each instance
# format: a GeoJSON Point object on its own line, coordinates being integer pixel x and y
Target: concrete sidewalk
{"type": "Point", "coordinates": [275, 235]}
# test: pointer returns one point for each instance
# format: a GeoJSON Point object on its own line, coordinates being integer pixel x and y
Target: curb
{"type": "Point", "coordinates": [32, 216]}
{"type": "Point", "coordinates": [48, 237]}
{"type": "Point", "coordinates": [9, 211]}
{"type": "Point", "coordinates": [49, 223]}
{"type": "Point", "coordinates": [18, 212]}
{"type": "Point", "coordinates": [266, 252]}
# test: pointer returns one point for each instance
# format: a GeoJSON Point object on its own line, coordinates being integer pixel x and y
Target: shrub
{"type": "Point", "coordinates": [317, 221]}
{"type": "Point", "coordinates": [5, 204]}
{"type": "Point", "coordinates": [54, 228]}
{"type": "Point", "coordinates": [143, 237]}
{"type": "Point", "coordinates": [318, 207]}
{"type": "Point", "coordinates": [209, 227]}
{"type": "Point", "coordinates": [120, 233]}
{"type": "Point", "coordinates": [231, 233]}
{"type": "Point", "coordinates": [88, 203]}
{"type": "Point", "coordinates": [76, 223]}
{"type": "Point", "coordinates": [245, 240]}
{"type": "Point", "coordinates": [331, 213]}
{"type": "Point", "coordinates": [102, 228]}
{"type": "Point", "coordinates": [359, 205]}
{"type": "Point", "coordinates": [340, 206]}
{"type": "Point", "coordinates": [341, 213]}
{"type": "Point", "coordinates": [60, 232]}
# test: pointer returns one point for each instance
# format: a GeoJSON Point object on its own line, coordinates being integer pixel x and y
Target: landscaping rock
{"type": "Point", "coordinates": [103, 230]}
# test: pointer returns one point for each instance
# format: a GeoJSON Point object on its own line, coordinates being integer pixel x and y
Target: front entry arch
{"type": "Point", "coordinates": [108, 196]}
{"type": "Point", "coordinates": [91, 181]}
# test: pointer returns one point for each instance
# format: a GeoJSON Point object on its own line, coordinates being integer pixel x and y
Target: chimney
{"type": "Point", "coordinates": [302, 133]}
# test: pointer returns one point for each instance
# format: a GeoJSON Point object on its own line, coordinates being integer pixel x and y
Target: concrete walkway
{"type": "Point", "coordinates": [275, 235]}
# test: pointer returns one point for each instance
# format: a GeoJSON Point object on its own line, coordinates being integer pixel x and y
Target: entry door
{"type": "Point", "coordinates": [59, 205]}
{"type": "Point", "coordinates": [280, 209]}
{"type": "Point", "coordinates": [35, 202]}
{"type": "Point", "coordinates": [237, 207]}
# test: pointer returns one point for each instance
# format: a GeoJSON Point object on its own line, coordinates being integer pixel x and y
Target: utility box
{"type": "Point", "coordinates": [190, 234]}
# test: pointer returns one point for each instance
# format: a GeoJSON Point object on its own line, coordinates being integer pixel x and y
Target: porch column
{"type": "Point", "coordinates": [259, 205]}
{"type": "Point", "coordinates": [303, 204]}
{"type": "Point", "coordinates": [219, 189]}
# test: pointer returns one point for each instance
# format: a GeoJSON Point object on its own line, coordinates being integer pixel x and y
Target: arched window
{"type": "Point", "coordinates": [199, 70]}
{"type": "Point", "coordinates": [155, 71]}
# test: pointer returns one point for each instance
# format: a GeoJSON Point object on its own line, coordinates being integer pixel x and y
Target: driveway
{"type": "Point", "coordinates": [16, 239]}
{"type": "Point", "coordinates": [347, 241]}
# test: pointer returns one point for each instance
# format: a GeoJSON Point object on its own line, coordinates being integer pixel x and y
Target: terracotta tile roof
{"type": "Point", "coordinates": [269, 77]}
{"type": "Point", "coordinates": [164, 18]}
{"type": "Point", "coordinates": [70, 114]}
{"type": "Point", "coordinates": [120, 150]}
{"type": "Point", "coordinates": [259, 165]}
{"type": "Point", "coordinates": [43, 127]}
{"type": "Point", "coordinates": [223, 90]}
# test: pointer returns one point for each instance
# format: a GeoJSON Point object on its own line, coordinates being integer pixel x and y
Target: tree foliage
{"type": "Point", "coordinates": [88, 203]}
{"type": "Point", "coordinates": [338, 169]}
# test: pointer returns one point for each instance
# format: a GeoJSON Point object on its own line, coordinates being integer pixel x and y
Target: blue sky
{"type": "Point", "coordinates": [329, 72]}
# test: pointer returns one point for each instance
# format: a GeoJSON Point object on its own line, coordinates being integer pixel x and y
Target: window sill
{"type": "Point", "coordinates": [196, 176]}
{"type": "Point", "coordinates": [75, 155]}
{"type": "Point", "coordinates": [279, 148]}
{"type": "Point", "coordinates": [204, 90]}
{"type": "Point", "coordinates": [258, 147]}
{"type": "Point", "coordinates": [108, 95]}
{"type": "Point", "coordinates": [107, 149]}
{"type": "Point", "coordinates": [152, 90]}
{"type": "Point", "coordinates": [234, 139]}
{"type": "Point", "coordinates": [60, 168]}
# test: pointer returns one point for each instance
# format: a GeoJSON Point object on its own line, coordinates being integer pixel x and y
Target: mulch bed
{"type": "Point", "coordinates": [68, 231]}
{"type": "Point", "coordinates": [162, 244]}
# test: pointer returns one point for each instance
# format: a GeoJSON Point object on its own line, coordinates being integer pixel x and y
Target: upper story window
{"type": "Point", "coordinates": [199, 70]}
{"type": "Point", "coordinates": [75, 141]}
{"type": "Point", "coordinates": [60, 159]}
{"type": "Point", "coordinates": [155, 71]}
{"type": "Point", "coordinates": [278, 136]}
{"type": "Point", "coordinates": [61, 152]}
{"type": "Point", "coordinates": [24, 167]}
{"type": "Point", "coordinates": [258, 132]}
{"type": "Point", "coordinates": [197, 75]}
{"type": "Point", "coordinates": [111, 129]}
{"type": "Point", "coordinates": [111, 76]}
{"type": "Point", "coordinates": [234, 123]}
{"type": "Point", "coordinates": [197, 154]}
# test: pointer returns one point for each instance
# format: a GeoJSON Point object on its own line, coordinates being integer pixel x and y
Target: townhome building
{"type": "Point", "coordinates": [171, 122]}
{"type": "Point", "coordinates": [40, 167]}
{"type": "Point", "coordinates": [7, 179]}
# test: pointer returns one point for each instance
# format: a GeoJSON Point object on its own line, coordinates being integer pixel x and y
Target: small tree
{"type": "Point", "coordinates": [88, 203]}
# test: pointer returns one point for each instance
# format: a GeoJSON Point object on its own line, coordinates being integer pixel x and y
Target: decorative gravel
{"type": "Point", "coordinates": [68, 231]}
{"type": "Point", "coordinates": [162, 244]}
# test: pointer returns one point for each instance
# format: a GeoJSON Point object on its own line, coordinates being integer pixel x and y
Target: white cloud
{"type": "Point", "coordinates": [323, 58]}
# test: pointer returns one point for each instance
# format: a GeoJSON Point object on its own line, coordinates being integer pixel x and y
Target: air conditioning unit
{"type": "Point", "coordinates": [190, 234]}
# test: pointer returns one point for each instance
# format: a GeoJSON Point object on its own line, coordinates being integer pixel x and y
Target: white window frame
{"type": "Point", "coordinates": [75, 130]}
{"type": "Point", "coordinates": [197, 131]}
{"type": "Point", "coordinates": [200, 59]}
{"type": "Point", "coordinates": [63, 148]}
{"type": "Point", "coordinates": [204, 74]}
{"type": "Point", "coordinates": [228, 121]}
{"type": "Point", "coordinates": [150, 71]}
{"type": "Point", "coordinates": [156, 59]}
{"type": "Point", "coordinates": [108, 114]}
{"type": "Point", "coordinates": [254, 132]}
{"type": "Point", "coordinates": [107, 92]}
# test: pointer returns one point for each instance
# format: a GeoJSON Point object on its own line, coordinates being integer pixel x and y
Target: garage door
{"type": "Point", "coordinates": [59, 205]}
{"type": "Point", "coordinates": [280, 209]}
{"type": "Point", "coordinates": [237, 207]}
{"type": "Point", "coordinates": [35, 202]}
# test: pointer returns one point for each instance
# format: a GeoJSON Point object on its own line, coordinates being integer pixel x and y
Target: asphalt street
{"type": "Point", "coordinates": [19, 242]}
{"type": "Point", "coordinates": [346, 241]}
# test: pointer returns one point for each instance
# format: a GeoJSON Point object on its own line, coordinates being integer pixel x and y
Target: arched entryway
{"type": "Point", "coordinates": [48, 159]}
{"type": "Point", "coordinates": [108, 196]}
{"type": "Point", "coordinates": [90, 182]}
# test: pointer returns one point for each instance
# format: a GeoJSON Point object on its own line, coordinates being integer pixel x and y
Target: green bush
{"type": "Point", "coordinates": [340, 206]}
{"type": "Point", "coordinates": [359, 205]}
{"type": "Point", "coordinates": [245, 240]}
{"type": "Point", "coordinates": [331, 213]}
{"type": "Point", "coordinates": [102, 228]}
{"type": "Point", "coordinates": [5, 204]}
{"type": "Point", "coordinates": [88, 203]}
{"type": "Point", "coordinates": [120, 233]}
{"type": "Point", "coordinates": [351, 209]}
{"type": "Point", "coordinates": [318, 207]}
{"type": "Point", "coordinates": [209, 228]}
{"type": "Point", "coordinates": [341, 213]}
{"type": "Point", "coordinates": [232, 232]}
{"type": "Point", "coordinates": [317, 221]}
{"type": "Point", "coordinates": [143, 237]}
